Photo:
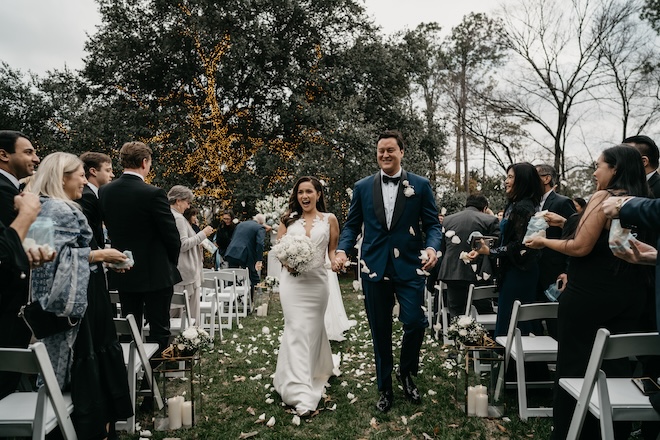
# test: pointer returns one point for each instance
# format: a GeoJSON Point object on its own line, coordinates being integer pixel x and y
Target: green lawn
{"type": "Point", "coordinates": [237, 389]}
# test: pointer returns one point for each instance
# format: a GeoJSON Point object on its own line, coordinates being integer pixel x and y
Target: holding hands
{"type": "Point", "coordinates": [612, 206]}
{"type": "Point", "coordinates": [339, 264]}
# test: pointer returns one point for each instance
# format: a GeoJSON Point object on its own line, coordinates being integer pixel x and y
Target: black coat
{"type": "Point", "coordinates": [138, 218]}
{"type": "Point", "coordinates": [90, 205]}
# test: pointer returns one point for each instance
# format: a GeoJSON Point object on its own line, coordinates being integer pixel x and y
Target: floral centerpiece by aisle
{"type": "Point", "coordinates": [191, 340]}
{"type": "Point", "coordinates": [295, 252]}
{"type": "Point", "coordinates": [464, 330]}
{"type": "Point", "coordinates": [271, 282]}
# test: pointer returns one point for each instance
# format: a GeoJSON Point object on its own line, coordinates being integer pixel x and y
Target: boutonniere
{"type": "Point", "coordinates": [408, 189]}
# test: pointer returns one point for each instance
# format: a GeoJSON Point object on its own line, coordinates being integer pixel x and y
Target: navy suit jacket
{"type": "Point", "coordinates": [645, 214]}
{"type": "Point", "coordinates": [412, 216]}
{"type": "Point", "coordinates": [247, 243]}
{"type": "Point", "coordinates": [139, 219]}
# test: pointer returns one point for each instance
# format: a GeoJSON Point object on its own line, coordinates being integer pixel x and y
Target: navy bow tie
{"type": "Point", "coordinates": [394, 180]}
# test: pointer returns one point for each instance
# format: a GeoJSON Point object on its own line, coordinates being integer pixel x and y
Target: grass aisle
{"type": "Point", "coordinates": [237, 390]}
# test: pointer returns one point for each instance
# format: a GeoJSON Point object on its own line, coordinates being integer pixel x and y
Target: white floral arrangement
{"type": "Point", "coordinates": [272, 207]}
{"type": "Point", "coordinates": [193, 339]}
{"type": "Point", "coordinates": [296, 252]}
{"type": "Point", "coordinates": [271, 282]}
{"type": "Point", "coordinates": [466, 331]}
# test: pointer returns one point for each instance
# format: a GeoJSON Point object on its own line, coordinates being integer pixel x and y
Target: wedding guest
{"type": "Point", "coordinates": [650, 159]}
{"type": "Point", "coordinates": [139, 219]}
{"type": "Point", "coordinates": [304, 361]}
{"type": "Point", "coordinates": [18, 159]}
{"type": "Point", "coordinates": [98, 172]}
{"type": "Point", "coordinates": [191, 214]}
{"type": "Point", "coordinates": [580, 204]}
{"type": "Point", "coordinates": [87, 358]}
{"type": "Point", "coordinates": [519, 268]}
{"type": "Point", "coordinates": [453, 272]}
{"type": "Point", "coordinates": [190, 255]}
{"type": "Point", "coordinates": [223, 236]}
{"type": "Point", "coordinates": [246, 249]}
{"type": "Point", "coordinates": [602, 291]}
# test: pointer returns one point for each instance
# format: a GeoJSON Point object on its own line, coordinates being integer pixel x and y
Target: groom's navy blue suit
{"type": "Point", "coordinates": [390, 259]}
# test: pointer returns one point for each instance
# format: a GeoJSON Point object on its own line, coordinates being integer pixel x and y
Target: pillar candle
{"type": "Point", "coordinates": [481, 389]}
{"type": "Point", "coordinates": [174, 412]}
{"type": "Point", "coordinates": [482, 405]}
{"type": "Point", "coordinates": [186, 413]}
{"type": "Point", "coordinates": [471, 401]}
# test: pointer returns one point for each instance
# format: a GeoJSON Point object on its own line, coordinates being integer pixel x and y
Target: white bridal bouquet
{"type": "Point", "coordinates": [466, 331]}
{"type": "Point", "coordinates": [192, 339]}
{"type": "Point", "coordinates": [271, 281]}
{"type": "Point", "coordinates": [295, 252]}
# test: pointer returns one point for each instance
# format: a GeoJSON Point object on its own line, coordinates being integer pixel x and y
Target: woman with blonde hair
{"type": "Point", "coordinates": [86, 357]}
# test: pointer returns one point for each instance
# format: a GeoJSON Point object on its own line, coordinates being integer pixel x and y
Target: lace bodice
{"type": "Point", "coordinates": [319, 234]}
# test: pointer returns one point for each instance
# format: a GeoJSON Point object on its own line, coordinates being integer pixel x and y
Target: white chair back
{"type": "Point", "coordinates": [34, 414]}
{"type": "Point", "coordinates": [615, 398]}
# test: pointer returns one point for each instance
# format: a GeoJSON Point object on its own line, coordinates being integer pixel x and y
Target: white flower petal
{"type": "Point", "coordinates": [474, 267]}
{"type": "Point", "coordinates": [271, 422]}
{"type": "Point", "coordinates": [296, 420]}
{"type": "Point", "coordinates": [456, 239]}
{"type": "Point", "coordinates": [396, 253]}
{"type": "Point", "coordinates": [450, 233]}
{"type": "Point", "coordinates": [486, 276]}
{"type": "Point", "coordinates": [373, 275]}
{"type": "Point", "coordinates": [412, 231]}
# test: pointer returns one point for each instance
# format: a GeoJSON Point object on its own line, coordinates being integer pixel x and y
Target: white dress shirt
{"type": "Point", "coordinates": [390, 190]}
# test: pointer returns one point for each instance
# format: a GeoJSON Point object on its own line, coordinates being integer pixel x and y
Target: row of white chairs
{"type": "Point", "coordinates": [35, 414]}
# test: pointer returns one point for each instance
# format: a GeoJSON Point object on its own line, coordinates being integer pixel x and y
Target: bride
{"type": "Point", "coordinates": [304, 362]}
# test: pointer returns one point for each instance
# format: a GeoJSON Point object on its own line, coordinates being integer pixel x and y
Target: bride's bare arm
{"type": "Point", "coordinates": [281, 230]}
{"type": "Point", "coordinates": [334, 236]}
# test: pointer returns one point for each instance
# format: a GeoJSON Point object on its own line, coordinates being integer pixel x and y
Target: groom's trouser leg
{"type": "Point", "coordinates": [378, 302]}
{"type": "Point", "coordinates": [410, 295]}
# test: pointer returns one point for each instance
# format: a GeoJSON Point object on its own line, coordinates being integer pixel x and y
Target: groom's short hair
{"type": "Point", "coordinates": [395, 134]}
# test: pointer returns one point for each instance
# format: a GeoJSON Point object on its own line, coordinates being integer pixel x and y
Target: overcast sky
{"type": "Point", "coordinates": [42, 35]}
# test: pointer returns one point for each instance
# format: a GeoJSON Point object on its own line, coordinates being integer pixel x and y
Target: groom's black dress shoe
{"type": "Point", "coordinates": [385, 401]}
{"type": "Point", "coordinates": [410, 391]}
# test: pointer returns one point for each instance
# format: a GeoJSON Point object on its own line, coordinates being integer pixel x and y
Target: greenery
{"type": "Point", "coordinates": [236, 385]}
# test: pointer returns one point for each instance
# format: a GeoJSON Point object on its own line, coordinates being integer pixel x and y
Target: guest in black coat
{"type": "Point", "coordinates": [98, 171]}
{"type": "Point", "coordinates": [18, 159]}
{"type": "Point", "coordinates": [139, 219]}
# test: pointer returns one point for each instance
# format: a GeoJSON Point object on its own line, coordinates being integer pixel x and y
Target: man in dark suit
{"type": "Point", "coordinates": [395, 208]}
{"type": "Point", "coordinates": [552, 263]}
{"type": "Point", "coordinates": [453, 272]}
{"type": "Point", "coordinates": [650, 158]}
{"type": "Point", "coordinates": [18, 159]}
{"type": "Point", "coordinates": [98, 171]}
{"type": "Point", "coordinates": [246, 248]}
{"type": "Point", "coordinates": [139, 219]}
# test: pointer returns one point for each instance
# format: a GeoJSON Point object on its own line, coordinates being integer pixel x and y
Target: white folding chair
{"type": "Point", "coordinates": [209, 307]}
{"type": "Point", "coordinates": [34, 414]}
{"type": "Point", "coordinates": [487, 320]}
{"type": "Point", "coordinates": [227, 297]}
{"type": "Point", "coordinates": [242, 290]}
{"type": "Point", "coordinates": [613, 399]}
{"type": "Point", "coordinates": [443, 315]}
{"type": "Point", "coordinates": [532, 348]}
{"type": "Point", "coordinates": [136, 358]}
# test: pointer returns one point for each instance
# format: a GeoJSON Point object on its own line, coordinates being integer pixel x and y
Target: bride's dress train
{"type": "Point", "coordinates": [336, 321]}
{"type": "Point", "coordinates": [305, 362]}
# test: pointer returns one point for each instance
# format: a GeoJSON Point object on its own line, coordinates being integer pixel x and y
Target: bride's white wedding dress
{"type": "Point", "coordinates": [304, 362]}
{"type": "Point", "coordinates": [336, 321]}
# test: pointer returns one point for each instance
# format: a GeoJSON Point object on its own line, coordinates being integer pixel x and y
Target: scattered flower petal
{"type": "Point", "coordinates": [486, 276]}
{"type": "Point", "coordinates": [265, 330]}
{"type": "Point", "coordinates": [373, 275]}
{"type": "Point", "coordinates": [296, 420]}
{"type": "Point", "coordinates": [350, 396]}
{"type": "Point", "coordinates": [396, 253]}
{"type": "Point", "coordinates": [456, 239]}
{"type": "Point", "coordinates": [271, 422]}
{"type": "Point", "coordinates": [450, 233]}
{"type": "Point", "coordinates": [412, 231]}
{"type": "Point", "coordinates": [374, 423]}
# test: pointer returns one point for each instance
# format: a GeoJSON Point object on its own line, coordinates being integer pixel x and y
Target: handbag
{"type": "Point", "coordinates": [41, 322]}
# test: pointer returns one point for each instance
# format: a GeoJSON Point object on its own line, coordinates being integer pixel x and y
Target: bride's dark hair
{"type": "Point", "coordinates": [294, 206]}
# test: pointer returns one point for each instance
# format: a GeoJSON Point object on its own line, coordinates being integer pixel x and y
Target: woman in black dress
{"type": "Point", "coordinates": [602, 290]}
{"type": "Point", "coordinates": [519, 269]}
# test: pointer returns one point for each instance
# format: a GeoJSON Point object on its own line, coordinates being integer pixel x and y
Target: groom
{"type": "Point", "coordinates": [395, 207]}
